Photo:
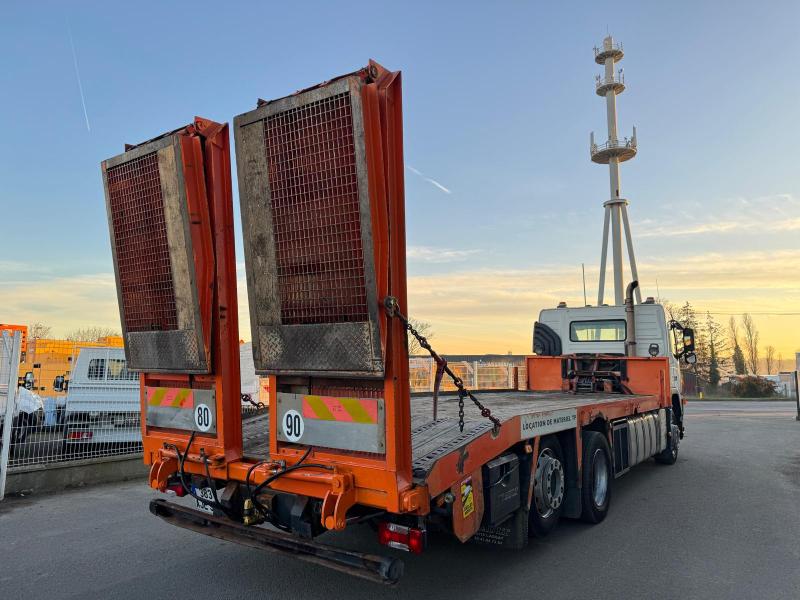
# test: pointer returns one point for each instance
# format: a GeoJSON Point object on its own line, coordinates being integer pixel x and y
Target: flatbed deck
{"type": "Point", "coordinates": [432, 440]}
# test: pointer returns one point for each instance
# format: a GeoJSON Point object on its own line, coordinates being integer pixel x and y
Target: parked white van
{"type": "Point", "coordinates": [102, 404]}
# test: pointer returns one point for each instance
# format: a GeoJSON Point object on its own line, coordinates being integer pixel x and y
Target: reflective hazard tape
{"type": "Point", "coordinates": [171, 397]}
{"type": "Point", "coordinates": [349, 410]}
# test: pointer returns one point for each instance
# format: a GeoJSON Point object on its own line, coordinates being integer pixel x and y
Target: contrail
{"type": "Point", "coordinates": [428, 179]}
{"type": "Point", "coordinates": [438, 185]}
{"type": "Point", "coordinates": [78, 75]}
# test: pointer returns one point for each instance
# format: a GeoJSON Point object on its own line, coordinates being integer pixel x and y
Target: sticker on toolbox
{"type": "Point", "coordinates": [548, 421]}
{"type": "Point", "coordinates": [467, 497]}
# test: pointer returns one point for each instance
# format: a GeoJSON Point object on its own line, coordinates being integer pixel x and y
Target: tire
{"type": "Point", "coordinates": [548, 488]}
{"type": "Point", "coordinates": [596, 477]}
{"type": "Point", "coordinates": [669, 455]}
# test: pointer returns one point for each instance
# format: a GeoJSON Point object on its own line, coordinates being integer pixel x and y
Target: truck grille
{"type": "Point", "coordinates": [316, 219]}
{"type": "Point", "coordinates": [140, 239]}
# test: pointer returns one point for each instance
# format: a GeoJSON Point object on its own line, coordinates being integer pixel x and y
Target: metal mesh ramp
{"type": "Point", "coordinates": [307, 226]}
{"type": "Point", "coordinates": [148, 216]}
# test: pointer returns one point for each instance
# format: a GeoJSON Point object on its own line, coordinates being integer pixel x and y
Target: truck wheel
{"type": "Point", "coordinates": [669, 455]}
{"type": "Point", "coordinates": [596, 477]}
{"type": "Point", "coordinates": [548, 488]}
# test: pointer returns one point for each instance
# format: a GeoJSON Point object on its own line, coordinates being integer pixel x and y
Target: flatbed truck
{"type": "Point", "coordinates": [322, 203]}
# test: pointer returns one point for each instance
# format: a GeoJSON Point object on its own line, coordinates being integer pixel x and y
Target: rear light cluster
{"type": "Point", "coordinates": [176, 487]}
{"type": "Point", "coordinates": [401, 537]}
{"type": "Point", "coordinates": [79, 435]}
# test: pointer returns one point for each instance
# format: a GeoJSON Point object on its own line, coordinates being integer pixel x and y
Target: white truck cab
{"type": "Point", "coordinates": [604, 330]}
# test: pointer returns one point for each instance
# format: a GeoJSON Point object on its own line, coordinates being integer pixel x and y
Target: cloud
{"type": "Point", "coordinates": [8, 267]}
{"type": "Point", "coordinates": [483, 310]}
{"type": "Point", "coordinates": [430, 180]}
{"type": "Point", "coordinates": [486, 310]}
{"type": "Point", "coordinates": [767, 214]}
{"type": "Point", "coordinates": [430, 254]}
{"type": "Point", "coordinates": [65, 303]}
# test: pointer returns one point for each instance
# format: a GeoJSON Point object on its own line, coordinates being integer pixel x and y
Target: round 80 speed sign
{"type": "Point", "coordinates": [202, 417]}
{"type": "Point", "coordinates": [292, 425]}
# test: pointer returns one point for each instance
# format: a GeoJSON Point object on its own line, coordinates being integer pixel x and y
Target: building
{"type": "Point", "coordinates": [48, 359]}
{"type": "Point", "coordinates": [22, 329]}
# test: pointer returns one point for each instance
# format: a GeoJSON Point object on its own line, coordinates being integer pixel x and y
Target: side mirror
{"type": "Point", "coordinates": [690, 358]}
{"type": "Point", "coordinates": [688, 340]}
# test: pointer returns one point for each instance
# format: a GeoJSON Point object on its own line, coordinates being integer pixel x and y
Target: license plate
{"type": "Point", "coordinates": [205, 494]}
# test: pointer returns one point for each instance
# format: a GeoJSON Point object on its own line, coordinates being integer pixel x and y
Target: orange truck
{"type": "Point", "coordinates": [322, 204]}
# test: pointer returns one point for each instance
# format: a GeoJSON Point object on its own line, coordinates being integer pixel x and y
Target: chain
{"type": "Point", "coordinates": [393, 310]}
{"type": "Point", "coordinates": [248, 398]}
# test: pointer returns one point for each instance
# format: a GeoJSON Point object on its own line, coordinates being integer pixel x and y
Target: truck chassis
{"type": "Point", "coordinates": [321, 191]}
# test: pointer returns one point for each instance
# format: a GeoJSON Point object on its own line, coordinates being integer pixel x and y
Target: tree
{"type": "Point", "coordinates": [737, 357]}
{"type": "Point", "coordinates": [780, 362]}
{"type": "Point", "coordinates": [753, 386]}
{"type": "Point", "coordinates": [687, 317]}
{"type": "Point", "coordinates": [713, 368]}
{"type": "Point", "coordinates": [717, 349]}
{"type": "Point", "coordinates": [90, 334]}
{"type": "Point", "coordinates": [750, 343]}
{"type": "Point", "coordinates": [38, 331]}
{"type": "Point", "coordinates": [769, 358]}
{"type": "Point", "coordinates": [424, 329]}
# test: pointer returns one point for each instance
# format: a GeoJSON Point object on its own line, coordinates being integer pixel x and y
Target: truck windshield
{"type": "Point", "coordinates": [597, 331]}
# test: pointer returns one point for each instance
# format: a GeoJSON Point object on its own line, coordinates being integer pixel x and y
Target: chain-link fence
{"type": "Point", "coordinates": [10, 350]}
{"type": "Point", "coordinates": [74, 400]}
{"type": "Point", "coordinates": [476, 375]}
{"type": "Point", "coordinates": [78, 402]}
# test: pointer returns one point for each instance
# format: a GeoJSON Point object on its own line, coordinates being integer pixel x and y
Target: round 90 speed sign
{"type": "Point", "coordinates": [292, 425]}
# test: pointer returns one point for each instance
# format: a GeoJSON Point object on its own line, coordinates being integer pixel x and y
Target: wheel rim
{"type": "Point", "coordinates": [600, 469]}
{"type": "Point", "coordinates": [676, 436]}
{"type": "Point", "coordinates": [548, 483]}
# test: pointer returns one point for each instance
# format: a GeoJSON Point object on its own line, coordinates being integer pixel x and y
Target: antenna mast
{"type": "Point", "coordinates": [612, 153]}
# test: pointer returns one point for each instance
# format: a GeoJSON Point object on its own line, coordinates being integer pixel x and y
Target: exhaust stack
{"type": "Point", "coordinates": [630, 321]}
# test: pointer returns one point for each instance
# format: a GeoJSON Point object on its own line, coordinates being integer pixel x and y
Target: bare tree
{"type": "Point", "coordinates": [733, 331]}
{"type": "Point", "coordinates": [38, 330]}
{"type": "Point", "coordinates": [424, 329]}
{"type": "Point", "coordinates": [780, 362]}
{"type": "Point", "coordinates": [90, 334]}
{"type": "Point", "coordinates": [737, 356]}
{"type": "Point", "coordinates": [769, 358]}
{"type": "Point", "coordinates": [750, 343]}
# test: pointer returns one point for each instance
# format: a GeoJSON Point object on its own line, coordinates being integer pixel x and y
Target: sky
{"type": "Point", "coordinates": [503, 204]}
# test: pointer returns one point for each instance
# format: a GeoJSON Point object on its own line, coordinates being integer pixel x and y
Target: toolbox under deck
{"type": "Point", "coordinates": [431, 440]}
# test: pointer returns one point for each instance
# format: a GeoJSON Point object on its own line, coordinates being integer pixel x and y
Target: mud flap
{"type": "Point", "coordinates": [511, 534]}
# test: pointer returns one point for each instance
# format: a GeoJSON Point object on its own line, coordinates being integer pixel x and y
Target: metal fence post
{"type": "Point", "coordinates": [12, 352]}
{"type": "Point", "coordinates": [797, 394]}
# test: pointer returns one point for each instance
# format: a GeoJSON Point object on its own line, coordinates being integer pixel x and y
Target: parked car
{"type": "Point", "coordinates": [28, 412]}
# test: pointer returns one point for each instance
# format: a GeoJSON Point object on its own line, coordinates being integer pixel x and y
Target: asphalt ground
{"type": "Point", "coordinates": [724, 522]}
